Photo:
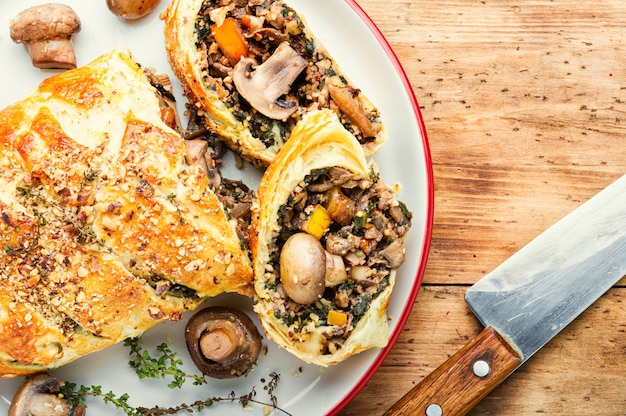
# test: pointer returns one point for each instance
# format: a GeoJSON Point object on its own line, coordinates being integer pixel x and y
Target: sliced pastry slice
{"type": "Point", "coordinates": [254, 68]}
{"type": "Point", "coordinates": [106, 230]}
{"type": "Point", "coordinates": [326, 242]}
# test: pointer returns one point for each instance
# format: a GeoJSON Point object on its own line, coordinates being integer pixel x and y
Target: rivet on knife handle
{"type": "Point", "coordinates": [463, 380]}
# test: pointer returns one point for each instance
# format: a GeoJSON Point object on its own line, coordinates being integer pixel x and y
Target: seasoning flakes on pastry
{"type": "Point", "coordinates": [254, 68]}
{"type": "Point", "coordinates": [326, 243]}
{"type": "Point", "coordinates": [105, 229]}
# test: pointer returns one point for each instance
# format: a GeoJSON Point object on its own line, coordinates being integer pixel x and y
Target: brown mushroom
{"type": "Point", "coordinates": [348, 101]}
{"type": "Point", "coordinates": [195, 151]}
{"type": "Point", "coordinates": [303, 268]}
{"type": "Point", "coordinates": [394, 253]}
{"type": "Point", "coordinates": [39, 396]}
{"type": "Point", "coordinates": [223, 342]}
{"type": "Point", "coordinates": [132, 9]}
{"type": "Point", "coordinates": [263, 86]}
{"type": "Point", "coordinates": [46, 30]}
{"type": "Point", "coordinates": [341, 208]}
{"type": "Point", "coordinates": [167, 101]}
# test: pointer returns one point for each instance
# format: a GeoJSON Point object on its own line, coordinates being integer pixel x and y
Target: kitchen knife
{"type": "Point", "coordinates": [526, 301]}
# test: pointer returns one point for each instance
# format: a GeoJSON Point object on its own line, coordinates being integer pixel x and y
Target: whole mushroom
{"type": "Point", "coordinates": [223, 342]}
{"type": "Point", "coordinates": [39, 396]}
{"type": "Point", "coordinates": [303, 268]}
{"type": "Point", "coordinates": [46, 30]}
{"type": "Point", "coordinates": [132, 9]}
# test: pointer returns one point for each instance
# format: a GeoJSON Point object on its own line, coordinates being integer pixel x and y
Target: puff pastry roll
{"type": "Point", "coordinates": [105, 229]}
{"type": "Point", "coordinates": [326, 243]}
{"type": "Point", "coordinates": [254, 68]}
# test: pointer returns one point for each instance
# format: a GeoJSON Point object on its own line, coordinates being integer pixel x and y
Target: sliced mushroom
{"type": "Point", "coordinates": [46, 30]}
{"type": "Point", "coordinates": [167, 101]}
{"type": "Point", "coordinates": [340, 244]}
{"type": "Point", "coordinates": [223, 342]}
{"type": "Point", "coordinates": [347, 100]}
{"type": "Point", "coordinates": [394, 253]}
{"type": "Point", "coordinates": [341, 208]}
{"type": "Point", "coordinates": [39, 396]}
{"type": "Point", "coordinates": [195, 151]}
{"type": "Point", "coordinates": [398, 215]}
{"type": "Point", "coordinates": [263, 86]}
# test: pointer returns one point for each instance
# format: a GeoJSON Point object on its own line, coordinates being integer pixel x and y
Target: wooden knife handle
{"type": "Point", "coordinates": [463, 380]}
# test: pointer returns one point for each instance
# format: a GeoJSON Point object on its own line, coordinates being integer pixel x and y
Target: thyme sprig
{"type": "Point", "coordinates": [40, 221]}
{"type": "Point", "coordinates": [76, 395]}
{"type": "Point", "coordinates": [167, 364]}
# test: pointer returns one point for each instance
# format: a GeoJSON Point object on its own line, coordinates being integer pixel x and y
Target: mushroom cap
{"type": "Point", "coordinates": [132, 9]}
{"type": "Point", "coordinates": [44, 22]}
{"type": "Point", "coordinates": [39, 395]}
{"type": "Point", "coordinates": [303, 268]}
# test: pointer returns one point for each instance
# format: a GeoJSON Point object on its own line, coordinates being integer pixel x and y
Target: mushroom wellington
{"type": "Point", "coordinates": [105, 229]}
{"type": "Point", "coordinates": [326, 242]}
{"type": "Point", "coordinates": [254, 68]}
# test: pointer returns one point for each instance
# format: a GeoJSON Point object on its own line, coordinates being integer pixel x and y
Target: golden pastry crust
{"type": "Point", "coordinates": [318, 145]}
{"type": "Point", "coordinates": [258, 31]}
{"type": "Point", "coordinates": [105, 230]}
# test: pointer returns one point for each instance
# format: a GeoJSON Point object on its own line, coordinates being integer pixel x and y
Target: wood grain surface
{"type": "Point", "coordinates": [525, 108]}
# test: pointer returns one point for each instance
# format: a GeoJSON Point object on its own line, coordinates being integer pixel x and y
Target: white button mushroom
{"type": "Point", "coordinates": [303, 268]}
{"type": "Point", "coordinates": [46, 30]}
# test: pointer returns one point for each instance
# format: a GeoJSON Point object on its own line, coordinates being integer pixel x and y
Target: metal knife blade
{"type": "Point", "coordinates": [526, 301]}
{"type": "Point", "coordinates": [540, 289]}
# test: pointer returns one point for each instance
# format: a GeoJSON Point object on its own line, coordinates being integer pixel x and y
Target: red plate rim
{"type": "Point", "coordinates": [429, 213]}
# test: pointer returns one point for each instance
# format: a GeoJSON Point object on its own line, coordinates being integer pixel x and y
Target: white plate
{"type": "Point", "coordinates": [362, 52]}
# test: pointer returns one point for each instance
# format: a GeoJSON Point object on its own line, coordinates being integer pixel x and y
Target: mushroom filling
{"type": "Point", "coordinates": [205, 149]}
{"type": "Point", "coordinates": [165, 287]}
{"type": "Point", "coordinates": [269, 71]}
{"type": "Point", "coordinates": [167, 101]}
{"type": "Point", "coordinates": [359, 228]}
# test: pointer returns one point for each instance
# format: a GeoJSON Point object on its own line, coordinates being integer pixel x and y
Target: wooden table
{"type": "Point", "coordinates": [525, 107]}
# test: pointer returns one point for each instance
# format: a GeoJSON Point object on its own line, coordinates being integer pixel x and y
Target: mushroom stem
{"type": "Point", "coordinates": [52, 54]}
{"type": "Point", "coordinates": [42, 404]}
{"type": "Point", "coordinates": [217, 345]}
{"type": "Point", "coordinates": [347, 100]}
